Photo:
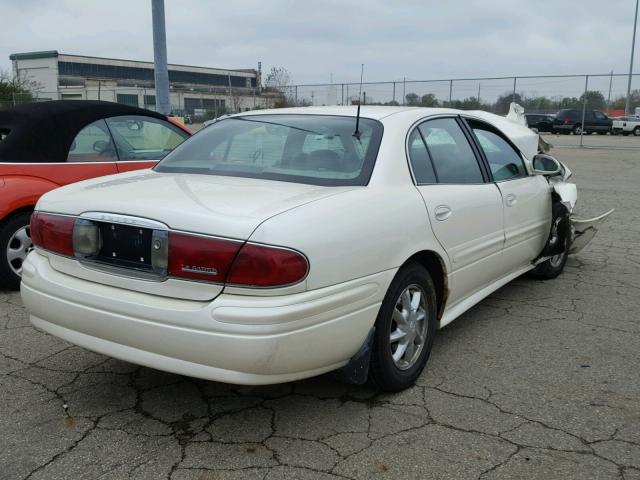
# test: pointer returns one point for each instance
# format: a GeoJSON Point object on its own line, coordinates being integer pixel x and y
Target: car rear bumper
{"type": "Point", "coordinates": [236, 339]}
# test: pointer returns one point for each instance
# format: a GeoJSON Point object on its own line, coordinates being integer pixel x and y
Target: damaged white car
{"type": "Point", "coordinates": [278, 245]}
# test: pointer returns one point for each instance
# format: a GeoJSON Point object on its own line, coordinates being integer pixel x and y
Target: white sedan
{"type": "Point", "coordinates": [278, 245]}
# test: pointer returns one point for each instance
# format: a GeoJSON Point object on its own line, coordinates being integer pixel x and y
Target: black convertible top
{"type": "Point", "coordinates": [44, 131]}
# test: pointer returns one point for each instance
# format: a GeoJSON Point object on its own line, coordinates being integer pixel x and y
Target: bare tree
{"type": "Point", "coordinates": [278, 80]}
{"type": "Point", "coordinates": [17, 87]}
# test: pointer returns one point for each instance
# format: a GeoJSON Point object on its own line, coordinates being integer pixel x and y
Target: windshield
{"type": "Point", "coordinates": [314, 149]}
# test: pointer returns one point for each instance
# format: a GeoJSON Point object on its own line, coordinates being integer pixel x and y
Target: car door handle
{"type": "Point", "coordinates": [511, 200]}
{"type": "Point", "coordinates": [442, 212]}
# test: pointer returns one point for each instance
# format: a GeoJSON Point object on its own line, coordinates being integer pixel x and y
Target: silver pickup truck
{"type": "Point", "coordinates": [626, 125]}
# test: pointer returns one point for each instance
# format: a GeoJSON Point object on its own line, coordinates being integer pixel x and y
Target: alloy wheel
{"type": "Point", "coordinates": [408, 332]}
{"type": "Point", "coordinates": [18, 248]}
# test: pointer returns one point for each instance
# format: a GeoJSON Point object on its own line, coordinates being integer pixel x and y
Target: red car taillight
{"type": "Point", "coordinates": [216, 260]}
{"type": "Point", "coordinates": [265, 266]}
{"type": "Point", "coordinates": [52, 232]}
{"type": "Point", "coordinates": [567, 121]}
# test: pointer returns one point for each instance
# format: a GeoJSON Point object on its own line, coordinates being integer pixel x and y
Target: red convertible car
{"type": "Point", "coordinates": [46, 145]}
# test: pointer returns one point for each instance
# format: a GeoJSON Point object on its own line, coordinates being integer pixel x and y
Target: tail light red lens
{"type": "Point", "coordinates": [200, 258]}
{"type": "Point", "coordinates": [234, 262]}
{"type": "Point", "coordinates": [265, 266]}
{"type": "Point", "coordinates": [52, 232]}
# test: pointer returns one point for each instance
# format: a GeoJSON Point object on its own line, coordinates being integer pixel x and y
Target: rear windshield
{"type": "Point", "coordinates": [314, 149]}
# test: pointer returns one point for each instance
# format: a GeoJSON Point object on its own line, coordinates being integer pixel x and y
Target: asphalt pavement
{"type": "Point", "coordinates": [540, 380]}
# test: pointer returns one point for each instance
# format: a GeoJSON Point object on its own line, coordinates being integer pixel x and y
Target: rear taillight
{"type": "Point", "coordinates": [196, 257]}
{"type": "Point", "coordinates": [52, 232]}
{"type": "Point", "coordinates": [567, 121]}
{"type": "Point", "coordinates": [265, 266]}
{"type": "Point", "coordinates": [233, 262]}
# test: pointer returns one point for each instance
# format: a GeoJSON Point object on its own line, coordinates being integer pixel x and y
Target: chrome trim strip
{"type": "Point", "coordinates": [123, 220]}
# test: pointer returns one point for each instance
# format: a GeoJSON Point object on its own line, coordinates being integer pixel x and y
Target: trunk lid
{"type": "Point", "coordinates": [213, 205]}
{"type": "Point", "coordinates": [219, 206]}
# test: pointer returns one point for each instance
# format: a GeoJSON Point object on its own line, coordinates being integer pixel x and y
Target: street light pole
{"type": "Point", "coordinates": [633, 46]}
{"type": "Point", "coordinates": [160, 68]}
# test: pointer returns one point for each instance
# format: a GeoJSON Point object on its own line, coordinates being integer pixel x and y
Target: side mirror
{"type": "Point", "coordinates": [100, 146]}
{"type": "Point", "coordinates": [546, 165]}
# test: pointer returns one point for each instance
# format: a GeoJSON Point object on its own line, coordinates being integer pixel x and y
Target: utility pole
{"type": "Point", "coordinates": [610, 83]}
{"type": "Point", "coordinates": [627, 105]}
{"type": "Point", "coordinates": [160, 68]}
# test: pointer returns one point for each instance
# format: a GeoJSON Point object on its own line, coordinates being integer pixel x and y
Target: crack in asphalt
{"type": "Point", "coordinates": [547, 369]}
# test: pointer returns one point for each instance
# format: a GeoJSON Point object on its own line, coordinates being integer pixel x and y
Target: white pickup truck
{"type": "Point", "coordinates": [626, 125]}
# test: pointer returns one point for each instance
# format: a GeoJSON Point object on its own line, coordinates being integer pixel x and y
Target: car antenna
{"type": "Point", "coordinates": [357, 132]}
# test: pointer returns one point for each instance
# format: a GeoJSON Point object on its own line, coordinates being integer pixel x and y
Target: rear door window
{"type": "Point", "coordinates": [144, 138]}
{"type": "Point", "coordinates": [420, 162]}
{"type": "Point", "coordinates": [451, 154]}
{"type": "Point", "coordinates": [93, 144]}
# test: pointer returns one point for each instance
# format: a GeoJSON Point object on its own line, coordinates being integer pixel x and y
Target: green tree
{"type": "Point", "coordinates": [619, 103]}
{"type": "Point", "coordinates": [595, 100]}
{"type": "Point", "coordinates": [503, 103]}
{"type": "Point", "coordinates": [412, 99]}
{"type": "Point", "coordinates": [429, 100]}
{"type": "Point", "coordinates": [569, 102]}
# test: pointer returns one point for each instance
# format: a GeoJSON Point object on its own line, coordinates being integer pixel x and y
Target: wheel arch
{"type": "Point", "coordinates": [436, 267]}
{"type": "Point", "coordinates": [17, 211]}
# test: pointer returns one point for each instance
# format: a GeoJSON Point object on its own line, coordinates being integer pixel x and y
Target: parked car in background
{"type": "Point", "coordinates": [626, 125]}
{"type": "Point", "coordinates": [185, 116]}
{"type": "Point", "coordinates": [540, 122]}
{"type": "Point", "coordinates": [282, 244]}
{"type": "Point", "coordinates": [49, 144]}
{"type": "Point", "coordinates": [570, 121]}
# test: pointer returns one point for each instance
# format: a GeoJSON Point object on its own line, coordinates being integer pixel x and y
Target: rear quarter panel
{"type": "Point", "coordinates": [354, 234]}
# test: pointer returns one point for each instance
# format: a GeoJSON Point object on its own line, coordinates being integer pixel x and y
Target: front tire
{"type": "Point", "coordinates": [557, 246]}
{"type": "Point", "coordinates": [405, 328]}
{"type": "Point", "coordinates": [15, 244]}
{"type": "Point", "coordinates": [636, 131]}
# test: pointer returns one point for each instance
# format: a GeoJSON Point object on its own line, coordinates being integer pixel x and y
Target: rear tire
{"type": "Point", "coordinates": [405, 328]}
{"type": "Point", "coordinates": [636, 131]}
{"type": "Point", "coordinates": [558, 245]}
{"type": "Point", "coordinates": [577, 129]}
{"type": "Point", "coordinates": [15, 243]}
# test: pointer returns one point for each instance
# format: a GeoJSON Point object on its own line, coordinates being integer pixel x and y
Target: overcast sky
{"type": "Point", "coordinates": [420, 39]}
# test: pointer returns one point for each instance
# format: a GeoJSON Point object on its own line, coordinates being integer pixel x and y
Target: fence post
{"type": "Point", "coordinates": [513, 98]}
{"type": "Point", "coordinates": [450, 92]}
{"type": "Point", "coordinates": [404, 89]}
{"type": "Point", "coordinates": [394, 92]}
{"type": "Point", "coordinates": [296, 95]}
{"type": "Point", "coordinates": [584, 106]}
{"type": "Point", "coordinates": [342, 95]}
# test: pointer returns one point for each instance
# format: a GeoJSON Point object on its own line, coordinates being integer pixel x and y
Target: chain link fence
{"type": "Point", "coordinates": [546, 94]}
